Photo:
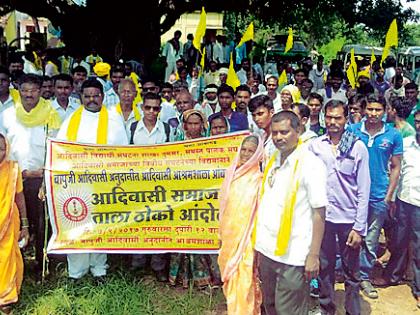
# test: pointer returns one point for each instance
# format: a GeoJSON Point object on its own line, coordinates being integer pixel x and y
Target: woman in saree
{"type": "Point", "coordinates": [238, 206]}
{"type": "Point", "coordinates": [12, 214]}
{"type": "Point", "coordinates": [200, 270]}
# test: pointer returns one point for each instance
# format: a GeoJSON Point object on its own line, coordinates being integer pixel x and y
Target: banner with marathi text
{"type": "Point", "coordinates": [137, 199]}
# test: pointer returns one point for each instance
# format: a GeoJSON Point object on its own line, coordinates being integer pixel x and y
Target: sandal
{"type": "Point", "coordinates": [6, 310]}
{"type": "Point", "coordinates": [368, 289]}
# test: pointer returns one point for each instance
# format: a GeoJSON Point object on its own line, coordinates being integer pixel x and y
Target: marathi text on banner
{"type": "Point", "coordinates": [127, 199]}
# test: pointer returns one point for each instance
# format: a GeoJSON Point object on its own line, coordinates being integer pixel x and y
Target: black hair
{"type": "Point", "coordinates": [403, 107]}
{"type": "Point", "coordinates": [92, 83]}
{"type": "Point", "coordinates": [63, 77]}
{"type": "Point", "coordinates": [151, 96]}
{"type": "Point", "coordinates": [224, 88]}
{"type": "Point", "coordinates": [303, 109]}
{"type": "Point", "coordinates": [287, 115]}
{"type": "Point", "coordinates": [4, 70]}
{"type": "Point", "coordinates": [260, 100]}
{"type": "Point", "coordinates": [243, 87]}
{"type": "Point", "coordinates": [316, 96]}
{"type": "Point", "coordinates": [31, 78]}
{"type": "Point", "coordinates": [79, 69]}
{"type": "Point", "coordinates": [335, 104]}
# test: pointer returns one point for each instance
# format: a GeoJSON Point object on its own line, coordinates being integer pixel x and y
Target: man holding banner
{"type": "Point", "coordinates": [80, 127]}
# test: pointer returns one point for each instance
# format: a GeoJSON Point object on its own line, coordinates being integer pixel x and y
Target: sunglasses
{"type": "Point", "coordinates": [154, 108]}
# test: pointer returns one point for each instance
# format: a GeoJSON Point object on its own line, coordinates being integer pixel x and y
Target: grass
{"type": "Point", "coordinates": [123, 293]}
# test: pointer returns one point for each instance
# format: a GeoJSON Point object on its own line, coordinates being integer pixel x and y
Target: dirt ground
{"type": "Point", "coordinates": [396, 300]}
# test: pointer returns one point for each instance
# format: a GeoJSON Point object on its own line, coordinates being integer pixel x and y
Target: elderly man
{"type": "Point", "coordinates": [210, 104]}
{"type": "Point", "coordinates": [86, 125]}
{"type": "Point", "coordinates": [290, 223]}
{"type": "Point", "coordinates": [27, 125]}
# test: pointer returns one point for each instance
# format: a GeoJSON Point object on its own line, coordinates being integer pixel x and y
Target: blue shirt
{"type": "Point", "coordinates": [237, 121]}
{"type": "Point", "coordinates": [381, 147]}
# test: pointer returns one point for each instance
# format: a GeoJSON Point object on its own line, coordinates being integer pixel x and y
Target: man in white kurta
{"type": "Point", "coordinates": [92, 98]}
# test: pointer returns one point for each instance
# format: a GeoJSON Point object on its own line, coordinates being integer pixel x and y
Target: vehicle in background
{"type": "Point", "coordinates": [360, 50]}
{"type": "Point", "coordinates": [274, 52]}
{"type": "Point", "coordinates": [409, 57]}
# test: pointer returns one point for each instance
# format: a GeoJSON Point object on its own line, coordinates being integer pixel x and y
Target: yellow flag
{"type": "Point", "coordinates": [248, 35]}
{"type": "Point", "coordinates": [232, 79]}
{"type": "Point", "coordinates": [352, 70]}
{"type": "Point", "coordinates": [391, 39]}
{"type": "Point", "coordinates": [201, 30]}
{"type": "Point", "coordinates": [10, 28]}
{"type": "Point", "coordinates": [289, 42]}
{"type": "Point", "coordinates": [202, 63]}
{"type": "Point", "coordinates": [282, 79]}
{"type": "Point", "coordinates": [372, 58]}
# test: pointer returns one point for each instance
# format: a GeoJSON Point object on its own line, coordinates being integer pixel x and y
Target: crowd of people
{"type": "Point", "coordinates": [328, 173]}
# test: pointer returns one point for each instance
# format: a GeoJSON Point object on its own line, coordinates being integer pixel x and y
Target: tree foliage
{"type": "Point", "coordinates": [121, 27]}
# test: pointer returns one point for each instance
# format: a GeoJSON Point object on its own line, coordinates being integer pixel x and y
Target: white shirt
{"type": "Point", "coordinates": [242, 76]}
{"type": "Point", "coordinates": [111, 98]}
{"type": "Point", "coordinates": [171, 54]}
{"type": "Point", "coordinates": [308, 135]}
{"type": "Point", "coordinates": [130, 119]}
{"type": "Point", "coordinates": [29, 67]}
{"type": "Point", "coordinates": [167, 111]}
{"type": "Point", "coordinates": [339, 95]}
{"type": "Point", "coordinates": [312, 193]}
{"type": "Point", "coordinates": [206, 109]}
{"type": "Point", "coordinates": [73, 104]}
{"type": "Point", "coordinates": [143, 136]}
{"type": "Point", "coordinates": [87, 133]}
{"type": "Point", "coordinates": [409, 188]}
{"type": "Point", "coordinates": [27, 143]}
{"type": "Point", "coordinates": [276, 102]}
{"type": "Point", "coordinates": [8, 103]}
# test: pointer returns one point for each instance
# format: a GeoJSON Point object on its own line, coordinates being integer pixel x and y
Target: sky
{"type": "Point", "coordinates": [415, 5]}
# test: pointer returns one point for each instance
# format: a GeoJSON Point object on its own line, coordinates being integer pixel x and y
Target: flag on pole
{"type": "Point", "coordinates": [289, 42]}
{"type": "Point", "coordinates": [10, 29]}
{"type": "Point", "coordinates": [391, 39]}
{"type": "Point", "coordinates": [201, 30]}
{"type": "Point", "coordinates": [232, 78]}
{"type": "Point", "coordinates": [202, 63]}
{"type": "Point", "coordinates": [248, 35]}
{"type": "Point", "coordinates": [352, 70]}
{"type": "Point", "coordinates": [282, 79]}
{"type": "Point", "coordinates": [372, 58]}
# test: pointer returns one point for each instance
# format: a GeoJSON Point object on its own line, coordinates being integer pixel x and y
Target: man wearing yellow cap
{"type": "Point", "coordinates": [102, 69]}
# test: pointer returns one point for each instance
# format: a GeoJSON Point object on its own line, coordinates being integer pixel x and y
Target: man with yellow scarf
{"type": "Point", "coordinates": [92, 123]}
{"type": "Point", "coordinates": [290, 220]}
{"type": "Point", "coordinates": [26, 126]}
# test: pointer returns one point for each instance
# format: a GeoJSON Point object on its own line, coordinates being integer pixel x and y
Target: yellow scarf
{"type": "Point", "coordinates": [37, 61]}
{"type": "Point", "coordinates": [15, 95]}
{"type": "Point", "coordinates": [55, 68]}
{"type": "Point", "coordinates": [135, 80]}
{"type": "Point", "coordinates": [65, 65]}
{"type": "Point", "coordinates": [42, 114]}
{"type": "Point", "coordinates": [137, 115]}
{"type": "Point", "coordinates": [102, 130]}
{"type": "Point", "coordinates": [285, 230]}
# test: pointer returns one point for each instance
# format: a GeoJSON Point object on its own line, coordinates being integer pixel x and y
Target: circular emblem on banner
{"type": "Point", "coordinates": [75, 209]}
